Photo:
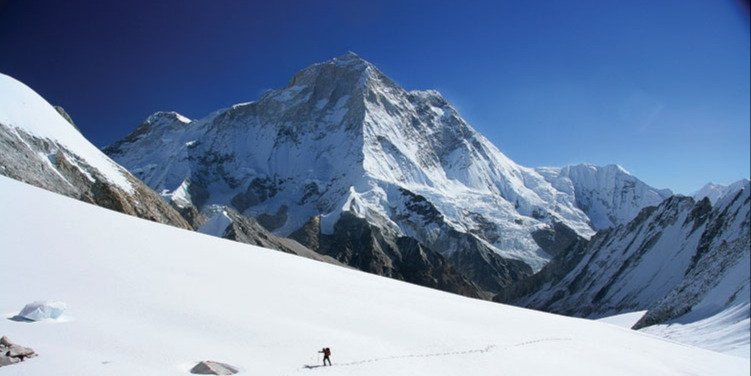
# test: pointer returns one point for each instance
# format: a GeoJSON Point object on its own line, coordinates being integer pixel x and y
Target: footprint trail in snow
{"type": "Point", "coordinates": [486, 349]}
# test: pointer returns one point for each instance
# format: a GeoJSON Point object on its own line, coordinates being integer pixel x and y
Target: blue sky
{"type": "Point", "coordinates": [661, 88]}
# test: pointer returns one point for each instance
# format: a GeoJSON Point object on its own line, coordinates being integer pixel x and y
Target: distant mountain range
{"type": "Point", "coordinates": [344, 166]}
{"type": "Point", "coordinates": [683, 261]}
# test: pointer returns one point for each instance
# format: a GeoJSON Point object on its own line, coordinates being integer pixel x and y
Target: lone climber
{"type": "Point", "coordinates": [326, 354]}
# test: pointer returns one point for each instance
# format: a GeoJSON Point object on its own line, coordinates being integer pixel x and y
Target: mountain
{"type": "Point", "coordinates": [343, 143]}
{"type": "Point", "coordinates": [716, 191]}
{"type": "Point", "coordinates": [40, 145]}
{"type": "Point", "coordinates": [609, 195]}
{"type": "Point", "coordinates": [684, 262]}
{"type": "Point", "coordinates": [148, 299]}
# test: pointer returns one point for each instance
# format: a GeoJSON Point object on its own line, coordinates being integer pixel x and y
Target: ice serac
{"type": "Point", "coordinates": [39, 145]}
{"type": "Point", "coordinates": [42, 310]}
{"type": "Point", "coordinates": [342, 137]}
{"type": "Point", "coordinates": [685, 262]}
{"type": "Point", "coordinates": [609, 195]}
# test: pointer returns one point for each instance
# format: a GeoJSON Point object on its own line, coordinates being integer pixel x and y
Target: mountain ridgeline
{"type": "Point", "coordinates": [682, 261]}
{"type": "Point", "coordinates": [40, 145]}
{"type": "Point", "coordinates": [391, 181]}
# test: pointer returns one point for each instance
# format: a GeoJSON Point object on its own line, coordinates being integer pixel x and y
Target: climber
{"type": "Point", "coordinates": [326, 354]}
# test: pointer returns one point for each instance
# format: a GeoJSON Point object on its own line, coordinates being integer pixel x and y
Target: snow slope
{"type": "Point", "coordinates": [40, 145]}
{"type": "Point", "coordinates": [726, 331]}
{"type": "Point", "coordinates": [22, 108]}
{"type": "Point", "coordinates": [150, 299]}
{"type": "Point", "coordinates": [687, 263]}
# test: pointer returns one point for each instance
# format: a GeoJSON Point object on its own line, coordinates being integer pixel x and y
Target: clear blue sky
{"type": "Point", "coordinates": [660, 87]}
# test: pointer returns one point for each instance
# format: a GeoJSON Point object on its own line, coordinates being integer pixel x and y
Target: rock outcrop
{"type": "Point", "coordinates": [208, 367]}
{"type": "Point", "coordinates": [11, 353]}
{"type": "Point", "coordinates": [40, 146]}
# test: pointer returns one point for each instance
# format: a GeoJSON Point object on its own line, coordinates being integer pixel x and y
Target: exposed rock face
{"type": "Point", "coordinates": [11, 353]}
{"type": "Point", "coordinates": [65, 116]}
{"type": "Point", "coordinates": [557, 269]}
{"type": "Point", "coordinates": [229, 224]}
{"type": "Point", "coordinates": [718, 275]}
{"type": "Point", "coordinates": [208, 367]}
{"type": "Point", "coordinates": [41, 147]}
{"type": "Point", "coordinates": [556, 239]}
{"type": "Point", "coordinates": [357, 243]}
{"type": "Point", "coordinates": [49, 165]}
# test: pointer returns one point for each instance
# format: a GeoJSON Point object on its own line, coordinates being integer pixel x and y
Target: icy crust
{"type": "Point", "coordinates": [24, 109]}
{"type": "Point", "coordinates": [154, 300]}
{"type": "Point", "coordinates": [343, 137]}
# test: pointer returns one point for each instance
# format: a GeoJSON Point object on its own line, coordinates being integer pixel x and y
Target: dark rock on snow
{"type": "Point", "coordinates": [11, 353]}
{"type": "Point", "coordinates": [208, 367]}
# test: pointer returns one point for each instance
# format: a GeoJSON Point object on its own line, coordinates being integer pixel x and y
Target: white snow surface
{"type": "Point", "coordinates": [42, 310]}
{"type": "Point", "coordinates": [22, 108]}
{"type": "Point", "coordinates": [150, 299]}
{"type": "Point", "coordinates": [726, 332]}
{"type": "Point", "coordinates": [624, 320]}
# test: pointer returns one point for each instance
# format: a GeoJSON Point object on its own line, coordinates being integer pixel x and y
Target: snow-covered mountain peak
{"type": "Point", "coordinates": [349, 69]}
{"type": "Point", "coordinates": [167, 117]}
{"type": "Point", "coordinates": [350, 58]}
{"type": "Point", "coordinates": [716, 191]}
{"type": "Point", "coordinates": [609, 194]}
{"type": "Point", "coordinates": [343, 137]}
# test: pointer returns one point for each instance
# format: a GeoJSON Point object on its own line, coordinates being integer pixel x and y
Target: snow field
{"type": "Point", "coordinates": [149, 299]}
